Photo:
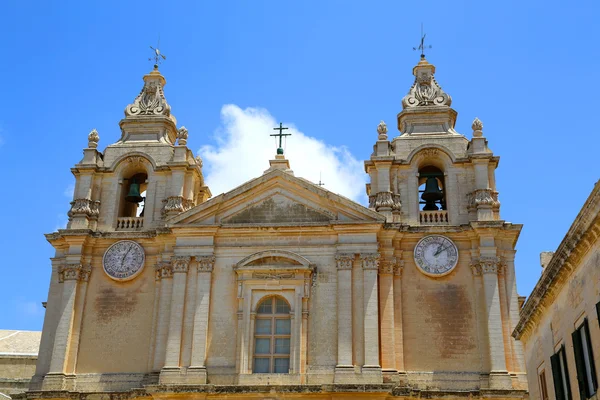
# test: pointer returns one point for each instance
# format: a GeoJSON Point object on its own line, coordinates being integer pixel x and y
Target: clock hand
{"type": "Point", "coordinates": [440, 250]}
{"type": "Point", "coordinates": [127, 252]}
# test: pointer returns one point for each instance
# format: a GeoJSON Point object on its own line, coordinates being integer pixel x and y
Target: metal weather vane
{"type": "Point", "coordinates": [422, 45]}
{"type": "Point", "coordinates": [158, 56]}
{"type": "Point", "coordinates": [280, 128]}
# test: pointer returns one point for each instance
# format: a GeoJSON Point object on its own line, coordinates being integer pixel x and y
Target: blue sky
{"type": "Point", "coordinates": [331, 69]}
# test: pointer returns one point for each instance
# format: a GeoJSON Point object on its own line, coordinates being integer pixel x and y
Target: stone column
{"type": "Point", "coordinates": [386, 309]}
{"type": "Point", "coordinates": [203, 285]}
{"type": "Point", "coordinates": [164, 272]}
{"type": "Point", "coordinates": [180, 265]}
{"type": "Point", "coordinates": [488, 268]}
{"type": "Point", "coordinates": [398, 330]}
{"type": "Point", "coordinates": [344, 311]}
{"type": "Point", "coordinates": [370, 265]}
{"type": "Point", "coordinates": [68, 275]}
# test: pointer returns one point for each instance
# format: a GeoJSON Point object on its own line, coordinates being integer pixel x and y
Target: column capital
{"type": "Point", "coordinates": [344, 261]}
{"type": "Point", "coordinates": [163, 270]}
{"type": "Point", "coordinates": [205, 263]}
{"type": "Point", "coordinates": [487, 265]}
{"type": "Point", "coordinates": [180, 263]}
{"type": "Point", "coordinates": [74, 272]}
{"type": "Point", "coordinates": [388, 266]}
{"type": "Point", "coordinates": [370, 260]}
{"type": "Point", "coordinates": [398, 268]}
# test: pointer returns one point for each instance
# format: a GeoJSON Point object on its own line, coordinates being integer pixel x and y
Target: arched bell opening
{"type": "Point", "coordinates": [133, 195]}
{"type": "Point", "coordinates": [432, 193]}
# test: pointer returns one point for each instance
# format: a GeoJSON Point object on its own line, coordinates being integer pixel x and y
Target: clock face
{"type": "Point", "coordinates": [436, 255]}
{"type": "Point", "coordinates": [124, 260]}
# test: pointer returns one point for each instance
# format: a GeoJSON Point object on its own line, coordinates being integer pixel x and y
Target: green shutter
{"type": "Point", "coordinates": [556, 377]}
{"type": "Point", "coordinates": [563, 354]}
{"type": "Point", "coordinates": [591, 354]}
{"type": "Point", "coordinates": [579, 363]}
{"type": "Point", "coordinates": [598, 311]}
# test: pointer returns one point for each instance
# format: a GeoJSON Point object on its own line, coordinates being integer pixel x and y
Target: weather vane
{"type": "Point", "coordinates": [280, 128]}
{"type": "Point", "coordinates": [158, 57]}
{"type": "Point", "coordinates": [422, 46]}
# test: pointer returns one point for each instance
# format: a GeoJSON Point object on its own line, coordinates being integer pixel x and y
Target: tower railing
{"type": "Point", "coordinates": [130, 223]}
{"type": "Point", "coordinates": [437, 217]}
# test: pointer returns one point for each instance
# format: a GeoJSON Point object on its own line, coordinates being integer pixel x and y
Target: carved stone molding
{"type": "Point", "coordinates": [182, 136]}
{"type": "Point", "coordinates": [84, 207]}
{"type": "Point", "coordinates": [180, 263]}
{"type": "Point", "coordinates": [273, 275]}
{"type": "Point", "coordinates": [150, 101]}
{"type": "Point", "coordinates": [74, 272]}
{"type": "Point", "coordinates": [387, 266]}
{"type": "Point", "coordinates": [163, 270]}
{"type": "Point", "coordinates": [344, 261]}
{"type": "Point", "coordinates": [487, 265]}
{"type": "Point", "coordinates": [483, 197]}
{"type": "Point", "coordinates": [370, 261]}
{"type": "Point", "coordinates": [205, 263]}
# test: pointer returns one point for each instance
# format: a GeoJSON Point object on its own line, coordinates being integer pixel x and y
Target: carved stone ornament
{"type": "Point", "coordinates": [398, 268]}
{"type": "Point", "coordinates": [382, 131]}
{"type": "Point", "coordinates": [425, 91]}
{"type": "Point", "coordinates": [85, 207]}
{"type": "Point", "coordinates": [163, 270]}
{"type": "Point", "coordinates": [182, 136]}
{"type": "Point", "coordinates": [151, 100]}
{"type": "Point", "coordinates": [72, 272]}
{"type": "Point", "coordinates": [483, 197]}
{"type": "Point", "coordinates": [273, 275]}
{"type": "Point", "coordinates": [93, 139]}
{"type": "Point", "coordinates": [370, 260]}
{"type": "Point", "coordinates": [205, 263]}
{"type": "Point", "coordinates": [397, 206]}
{"type": "Point", "coordinates": [344, 261]}
{"type": "Point", "coordinates": [124, 260]}
{"type": "Point", "coordinates": [180, 263]}
{"type": "Point", "coordinates": [199, 160]}
{"type": "Point", "coordinates": [384, 200]}
{"type": "Point", "coordinates": [387, 266]}
{"type": "Point", "coordinates": [487, 265]}
{"type": "Point", "coordinates": [477, 128]}
{"type": "Point", "coordinates": [136, 160]}
{"type": "Point", "coordinates": [173, 204]}
{"type": "Point", "coordinates": [429, 153]}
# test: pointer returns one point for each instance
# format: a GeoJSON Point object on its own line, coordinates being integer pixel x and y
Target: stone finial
{"type": "Point", "coordinates": [93, 139]}
{"type": "Point", "coordinates": [545, 257]}
{"type": "Point", "coordinates": [182, 135]}
{"type": "Point", "coordinates": [199, 160]}
{"type": "Point", "coordinates": [382, 131]}
{"type": "Point", "coordinates": [477, 127]}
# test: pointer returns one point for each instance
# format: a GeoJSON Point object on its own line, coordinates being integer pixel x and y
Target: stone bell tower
{"type": "Point", "coordinates": [456, 301]}
{"type": "Point", "coordinates": [146, 176]}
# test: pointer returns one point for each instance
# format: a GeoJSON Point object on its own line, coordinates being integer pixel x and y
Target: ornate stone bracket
{"type": "Point", "coordinates": [78, 272]}
{"type": "Point", "coordinates": [205, 263]}
{"type": "Point", "coordinates": [370, 260]}
{"type": "Point", "coordinates": [482, 197]}
{"type": "Point", "coordinates": [344, 261]}
{"type": "Point", "coordinates": [180, 263]}
{"type": "Point", "coordinates": [85, 207]}
{"type": "Point", "coordinates": [175, 205]}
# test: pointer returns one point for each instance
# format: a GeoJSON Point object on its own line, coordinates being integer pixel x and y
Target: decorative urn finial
{"type": "Point", "coordinates": [182, 135]}
{"type": "Point", "coordinates": [477, 127]}
{"type": "Point", "coordinates": [382, 131]}
{"type": "Point", "coordinates": [199, 160]}
{"type": "Point", "coordinates": [93, 139]}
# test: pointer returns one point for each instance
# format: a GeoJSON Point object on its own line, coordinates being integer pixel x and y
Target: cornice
{"type": "Point", "coordinates": [567, 253]}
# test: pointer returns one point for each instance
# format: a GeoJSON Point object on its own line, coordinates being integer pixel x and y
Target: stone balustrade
{"type": "Point", "coordinates": [437, 217]}
{"type": "Point", "coordinates": [130, 223]}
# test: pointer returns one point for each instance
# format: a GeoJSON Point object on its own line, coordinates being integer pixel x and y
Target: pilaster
{"type": "Point", "coordinates": [370, 265]}
{"type": "Point", "coordinates": [386, 311]}
{"type": "Point", "coordinates": [164, 273]}
{"type": "Point", "coordinates": [344, 263]}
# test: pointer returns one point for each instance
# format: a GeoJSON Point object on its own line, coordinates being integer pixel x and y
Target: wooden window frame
{"type": "Point", "coordinates": [560, 375]}
{"type": "Point", "coordinates": [543, 385]}
{"type": "Point", "coordinates": [273, 317]}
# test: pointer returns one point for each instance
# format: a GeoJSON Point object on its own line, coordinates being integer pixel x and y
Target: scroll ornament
{"type": "Point", "coordinates": [150, 101]}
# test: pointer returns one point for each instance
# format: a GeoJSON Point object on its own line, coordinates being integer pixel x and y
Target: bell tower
{"type": "Point", "coordinates": [456, 299]}
{"type": "Point", "coordinates": [148, 175]}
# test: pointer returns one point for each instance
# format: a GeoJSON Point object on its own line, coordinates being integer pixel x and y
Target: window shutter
{"type": "Point", "coordinates": [563, 354]}
{"type": "Point", "coordinates": [556, 377]}
{"type": "Point", "coordinates": [598, 311]}
{"type": "Point", "coordinates": [579, 363]}
{"type": "Point", "coordinates": [591, 354]}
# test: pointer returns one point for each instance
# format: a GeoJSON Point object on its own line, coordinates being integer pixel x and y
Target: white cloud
{"type": "Point", "coordinates": [244, 149]}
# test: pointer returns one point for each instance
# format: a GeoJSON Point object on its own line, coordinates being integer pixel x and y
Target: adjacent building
{"type": "Point", "coordinates": [280, 288]}
{"type": "Point", "coordinates": [18, 356]}
{"type": "Point", "coordinates": [559, 323]}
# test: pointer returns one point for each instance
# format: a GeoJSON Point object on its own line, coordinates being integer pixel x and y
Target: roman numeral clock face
{"type": "Point", "coordinates": [124, 260]}
{"type": "Point", "coordinates": [436, 255]}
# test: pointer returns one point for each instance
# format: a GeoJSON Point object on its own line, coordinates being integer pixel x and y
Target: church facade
{"type": "Point", "coordinates": [280, 288]}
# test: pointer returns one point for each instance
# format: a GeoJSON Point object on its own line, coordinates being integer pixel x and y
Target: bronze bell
{"type": "Point", "coordinates": [134, 193]}
{"type": "Point", "coordinates": [431, 194]}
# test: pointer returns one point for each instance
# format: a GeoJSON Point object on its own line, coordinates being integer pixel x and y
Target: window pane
{"type": "Point", "coordinates": [282, 307]}
{"type": "Point", "coordinates": [282, 346]}
{"type": "Point", "coordinates": [261, 365]}
{"type": "Point", "coordinates": [262, 346]}
{"type": "Point", "coordinates": [282, 327]}
{"type": "Point", "coordinates": [262, 326]}
{"type": "Point", "coordinates": [282, 365]}
{"type": "Point", "coordinates": [266, 307]}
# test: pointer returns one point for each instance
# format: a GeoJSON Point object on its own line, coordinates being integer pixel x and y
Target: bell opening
{"type": "Point", "coordinates": [134, 196]}
{"type": "Point", "coordinates": [432, 195]}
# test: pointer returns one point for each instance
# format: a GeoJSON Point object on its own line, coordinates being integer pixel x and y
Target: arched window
{"type": "Point", "coordinates": [272, 329]}
{"type": "Point", "coordinates": [133, 196]}
{"type": "Point", "coordinates": [432, 193]}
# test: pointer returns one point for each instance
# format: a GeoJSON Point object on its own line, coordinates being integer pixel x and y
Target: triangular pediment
{"type": "Point", "coordinates": [276, 198]}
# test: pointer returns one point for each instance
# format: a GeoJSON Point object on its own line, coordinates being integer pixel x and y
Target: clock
{"type": "Point", "coordinates": [436, 255]}
{"type": "Point", "coordinates": [123, 260]}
